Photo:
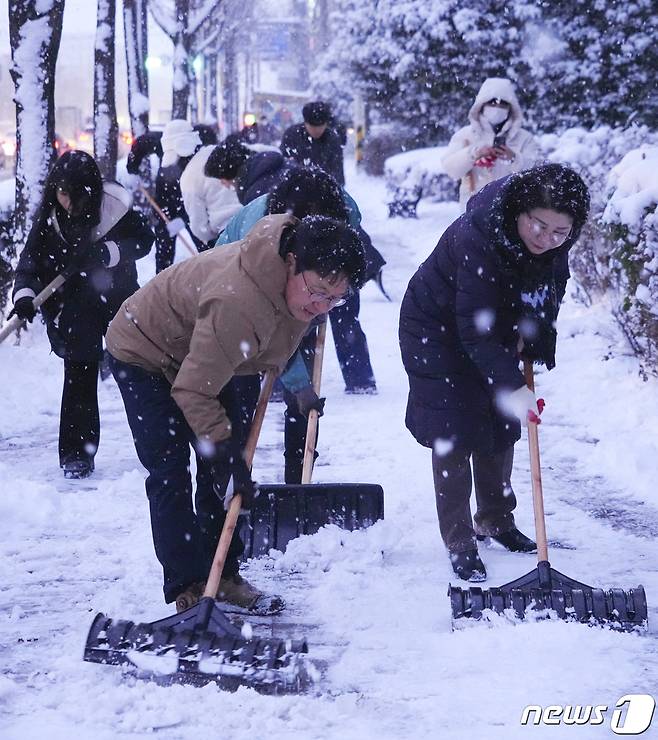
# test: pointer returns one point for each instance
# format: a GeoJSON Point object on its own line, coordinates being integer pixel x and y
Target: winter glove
{"type": "Point", "coordinates": [98, 254]}
{"type": "Point", "coordinates": [307, 399]}
{"type": "Point", "coordinates": [175, 226]}
{"type": "Point", "coordinates": [227, 464]}
{"type": "Point", "coordinates": [24, 309]}
{"type": "Point", "coordinates": [523, 404]}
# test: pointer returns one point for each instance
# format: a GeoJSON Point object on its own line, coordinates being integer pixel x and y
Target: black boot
{"type": "Point", "coordinates": [468, 566]}
{"type": "Point", "coordinates": [76, 469]}
{"type": "Point", "coordinates": [512, 540]}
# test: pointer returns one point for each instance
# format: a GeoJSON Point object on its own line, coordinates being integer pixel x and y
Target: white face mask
{"type": "Point", "coordinates": [494, 114]}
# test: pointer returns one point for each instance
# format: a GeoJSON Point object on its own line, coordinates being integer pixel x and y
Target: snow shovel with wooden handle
{"type": "Point", "coordinates": [201, 644]}
{"type": "Point", "coordinates": [546, 592]}
{"type": "Point", "coordinates": [53, 286]}
{"type": "Point", "coordinates": [166, 220]}
{"type": "Point", "coordinates": [284, 512]}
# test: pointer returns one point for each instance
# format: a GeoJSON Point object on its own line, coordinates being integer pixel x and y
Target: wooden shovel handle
{"type": "Point", "coordinates": [312, 425]}
{"type": "Point", "coordinates": [212, 584]}
{"type": "Point", "coordinates": [535, 472]}
{"type": "Point", "coordinates": [154, 205]}
{"type": "Point", "coordinates": [14, 322]}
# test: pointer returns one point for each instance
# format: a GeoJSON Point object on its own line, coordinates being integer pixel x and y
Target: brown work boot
{"type": "Point", "coordinates": [238, 591]}
{"type": "Point", "coordinates": [190, 596]}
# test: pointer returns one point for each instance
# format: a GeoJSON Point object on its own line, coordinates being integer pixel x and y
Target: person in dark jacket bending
{"type": "Point", "coordinates": [89, 230]}
{"type": "Point", "coordinates": [251, 173]}
{"type": "Point", "coordinates": [490, 290]}
{"type": "Point", "coordinates": [314, 142]}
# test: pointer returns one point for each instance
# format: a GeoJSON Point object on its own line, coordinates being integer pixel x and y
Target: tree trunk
{"type": "Point", "coordinates": [230, 84]}
{"type": "Point", "coordinates": [106, 128]}
{"type": "Point", "coordinates": [194, 97]}
{"type": "Point", "coordinates": [135, 30]}
{"type": "Point", "coordinates": [210, 92]}
{"type": "Point", "coordinates": [34, 36]}
{"type": "Point", "coordinates": [181, 88]}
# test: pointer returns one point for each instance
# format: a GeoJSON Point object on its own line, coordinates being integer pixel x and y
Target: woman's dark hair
{"type": "Point", "coordinates": [226, 159]}
{"type": "Point", "coordinates": [307, 191]}
{"type": "Point", "coordinates": [207, 133]}
{"type": "Point", "coordinates": [77, 174]}
{"type": "Point", "coordinates": [327, 246]}
{"type": "Point", "coordinates": [551, 186]}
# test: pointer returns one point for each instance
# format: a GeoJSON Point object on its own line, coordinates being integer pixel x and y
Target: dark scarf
{"type": "Point", "coordinates": [539, 301]}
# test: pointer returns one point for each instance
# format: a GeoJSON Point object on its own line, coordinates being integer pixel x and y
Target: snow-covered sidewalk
{"type": "Point", "coordinates": [376, 598]}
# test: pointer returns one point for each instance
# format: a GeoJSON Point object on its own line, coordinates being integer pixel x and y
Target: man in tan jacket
{"type": "Point", "coordinates": [178, 342]}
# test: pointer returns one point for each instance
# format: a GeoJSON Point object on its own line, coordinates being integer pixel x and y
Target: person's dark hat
{"type": "Point", "coordinates": [316, 113]}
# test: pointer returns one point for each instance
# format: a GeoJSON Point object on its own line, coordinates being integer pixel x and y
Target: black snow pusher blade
{"type": "Point", "coordinates": [283, 512]}
{"type": "Point", "coordinates": [201, 644]}
{"type": "Point", "coordinates": [546, 592]}
{"type": "Point", "coordinates": [550, 593]}
{"type": "Point", "coordinates": [198, 646]}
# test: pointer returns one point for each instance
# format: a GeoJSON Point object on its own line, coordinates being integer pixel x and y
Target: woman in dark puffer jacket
{"type": "Point", "coordinates": [87, 229]}
{"type": "Point", "coordinates": [487, 295]}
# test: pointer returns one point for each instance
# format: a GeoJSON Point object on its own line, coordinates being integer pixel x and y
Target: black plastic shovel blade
{"type": "Point", "coordinates": [551, 594]}
{"type": "Point", "coordinates": [198, 646]}
{"type": "Point", "coordinates": [284, 512]}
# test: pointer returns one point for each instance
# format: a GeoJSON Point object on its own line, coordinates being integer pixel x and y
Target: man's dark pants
{"type": "Point", "coordinates": [184, 539]}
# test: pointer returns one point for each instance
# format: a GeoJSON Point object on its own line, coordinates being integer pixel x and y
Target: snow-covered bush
{"type": "Point", "coordinates": [616, 253]}
{"type": "Point", "coordinates": [631, 218]}
{"type": "Point", "coordinates": [382, 142]}
{"type": "Point", "coordinates": [413, 175]}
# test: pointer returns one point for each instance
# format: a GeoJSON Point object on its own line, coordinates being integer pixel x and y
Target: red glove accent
{"type": "Point", "coordinates": [531, 414]}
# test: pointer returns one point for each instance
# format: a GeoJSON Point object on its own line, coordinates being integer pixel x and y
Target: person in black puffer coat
{"type": "Point", "coordinates": [251, 173]}
{"type": "Point", "coordinates": [88, 230]}
{"type": "Point", "coordinates": [314, 141]}
{"type": "Point", "coordinates": [490, 290]}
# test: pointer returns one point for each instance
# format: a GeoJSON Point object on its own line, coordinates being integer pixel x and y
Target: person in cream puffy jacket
{"type": "Point", "coordinates": [493, 144]}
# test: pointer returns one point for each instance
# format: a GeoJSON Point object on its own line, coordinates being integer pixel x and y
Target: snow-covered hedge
{"type": "Point", "coordinates": [631, 217]}
{"type": "Point", "coordinates": [618, 252]}
{"type": "Point", "coordinates": [413, 175]}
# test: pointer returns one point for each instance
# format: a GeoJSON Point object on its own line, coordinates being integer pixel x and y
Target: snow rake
{"type": "Point", "coordinates": [284, 512]}
{"type": "Point", "coordinates": [53, 286]}
{"type": "Point", "coordinates": [201, 645]}
{"type": "Point", "coordinates": [545, 592]}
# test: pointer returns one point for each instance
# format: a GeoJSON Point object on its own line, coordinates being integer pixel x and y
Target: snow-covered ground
{"type": "Point", "coordinates": [374, 601]}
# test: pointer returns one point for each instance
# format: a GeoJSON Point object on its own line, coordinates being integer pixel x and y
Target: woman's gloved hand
{"type": "Point", "coordinates": [24, 309]}
{"type": "Point", "coordinates": [523, 404]}
{"type": "Point", "coordinates": [308, 400]}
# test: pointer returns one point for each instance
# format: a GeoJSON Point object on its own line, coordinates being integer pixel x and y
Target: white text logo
{"type": "Point", "coordinates": [631, 715]}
